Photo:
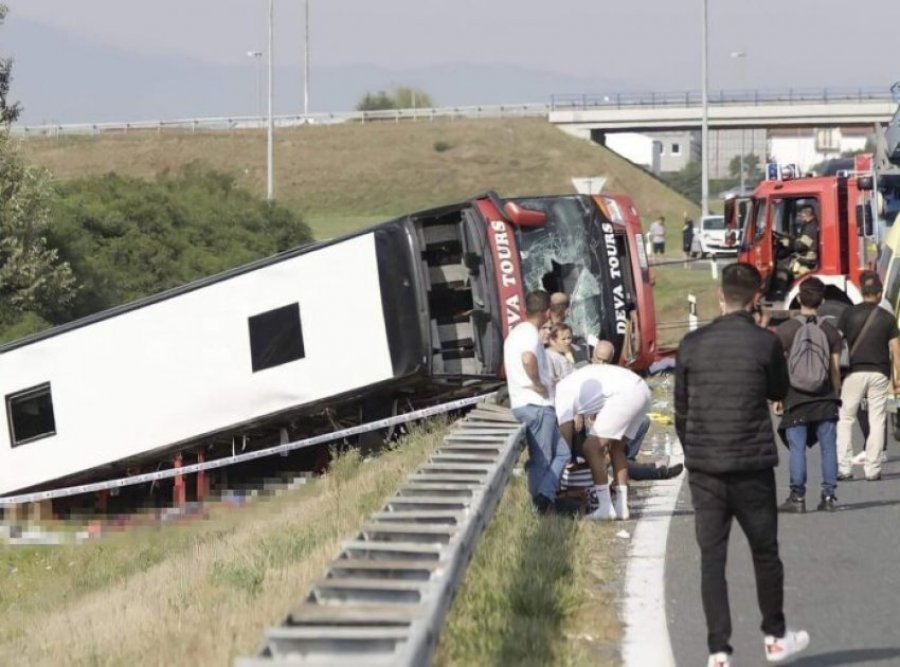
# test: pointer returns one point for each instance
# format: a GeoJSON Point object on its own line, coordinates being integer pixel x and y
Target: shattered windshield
{"type": "Point", "coordinates": [563, 256]}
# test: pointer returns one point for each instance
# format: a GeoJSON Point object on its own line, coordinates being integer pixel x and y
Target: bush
{"type": "Point", "coordinates": [127, 238]}
{"type": "Point", "coordinates": [441, 146]}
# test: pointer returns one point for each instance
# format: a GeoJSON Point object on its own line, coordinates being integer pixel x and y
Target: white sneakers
{"type": "Point", "coordinates": [860, 459]}
{"type": "Point", "coordinates": [793, 642]}
{"type": "Point", "coordinates": [777, 649]}
{"type": "Point", "coordinates": [600, 505]}
{"type": "Point", "coordinates": [621, 503]}
{"type": "Point", "coordinates": [604, 508]}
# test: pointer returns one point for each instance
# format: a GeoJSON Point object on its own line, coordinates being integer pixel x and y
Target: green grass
{"type": "Point", "coordinates": [537, 592]}
{"type": "Point", "coordinates": [672, 285]}
{"type": "Point", "coordinates": [346, 175]}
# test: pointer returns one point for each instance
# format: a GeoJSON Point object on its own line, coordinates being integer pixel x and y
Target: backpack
{"type": "Point", "coordinates": [809, 359]}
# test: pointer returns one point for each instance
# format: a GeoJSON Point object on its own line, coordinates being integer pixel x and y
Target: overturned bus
{"type": "Point", "coordinates": [407, 312]}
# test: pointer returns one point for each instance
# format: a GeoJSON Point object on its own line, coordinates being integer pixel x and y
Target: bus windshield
{"type": "Point", "coordinates": [569, 254]}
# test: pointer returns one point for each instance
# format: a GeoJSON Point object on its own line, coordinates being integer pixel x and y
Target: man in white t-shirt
{"type": "Point", "coordinates": [658, 236]}
{"type": "Point", "coordinates": [619, 398]}
{"type": "Point", "coordinates": [531, 398]}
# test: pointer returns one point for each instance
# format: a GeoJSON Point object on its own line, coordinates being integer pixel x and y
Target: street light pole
{"type": "Point", "coordinates": [306, 61]}
{"type": "Point", "coordinates": [704, 126]}
{"type": "Point", "coordinates": [741, 55]}
{"type": "Point", "coordinates": [270, 161]}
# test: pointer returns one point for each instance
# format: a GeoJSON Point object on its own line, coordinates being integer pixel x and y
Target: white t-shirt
{"type": "Point", "coordinates": [525, 337]}
{"type": "Point", "coordinates": [658, 232]}
{"type": "Point", "coordinates": [560, 366]}
{"type": "Point", "coordinates": [585, 391]}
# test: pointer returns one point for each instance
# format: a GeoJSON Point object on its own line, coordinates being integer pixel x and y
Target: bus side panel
{"type": "Point", "coordinates": [171, 370]}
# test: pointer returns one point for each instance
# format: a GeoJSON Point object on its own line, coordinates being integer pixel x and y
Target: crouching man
{"type": "Point", "coordinates": [619, 398]}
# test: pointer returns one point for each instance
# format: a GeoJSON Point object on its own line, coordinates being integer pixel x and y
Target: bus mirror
{"type": "Point", "coordinates": [524, 217]}
{"type": "Point", "coordinates": [865, 183]}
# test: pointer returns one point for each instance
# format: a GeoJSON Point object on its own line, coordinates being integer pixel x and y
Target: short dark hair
{"type": "Point", "coordinates": [812, 293]}
{"type": "Point", "coordinates": [558, 328]}
{"type": "Point", "coordinates": [740, 283]}
{"type": "Point", "coordinates": [870, 283]}
{"type": "Point", "coordinates": [536, 302]}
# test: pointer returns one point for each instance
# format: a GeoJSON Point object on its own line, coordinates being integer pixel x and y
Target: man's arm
{"type": "Point", "coordinates": [567, 429]}
{"type": "Point", "coordinates": [836, 372]}
{"type": "Point", "coordinates": [777, 380]}
{"type": "Point", "coordinates": [681, 392]}
{"type": "Point", "coordinates": [895, 356]}
{"type": "Point", "coordinates": [530, 363]}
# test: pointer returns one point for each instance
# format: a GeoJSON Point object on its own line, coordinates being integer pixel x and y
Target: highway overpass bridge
{"type": "Point", "coordinates": [591, 116]}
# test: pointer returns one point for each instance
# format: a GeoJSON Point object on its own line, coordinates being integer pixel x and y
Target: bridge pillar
{"type": "Point", "coordinates": [598, 136]}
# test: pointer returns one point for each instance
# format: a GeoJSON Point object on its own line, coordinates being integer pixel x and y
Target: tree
{"type": "Point", "coordinates": [752, 172]}
{"type": "Point", "coordinates": [401, 97]}
{"type": "Point", "coordinates": [127, 238]}
{"type": "Point", "coordinates": [8, 111]}
{"type": "Point", "coordinates": [35, 286]}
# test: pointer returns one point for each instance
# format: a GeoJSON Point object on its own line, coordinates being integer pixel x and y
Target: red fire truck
{"type": "Point", "coordinates": [848, 235]}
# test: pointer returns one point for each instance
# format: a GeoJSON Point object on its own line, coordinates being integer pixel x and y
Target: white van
{"type": "Point", "coordinates": [714, 237]}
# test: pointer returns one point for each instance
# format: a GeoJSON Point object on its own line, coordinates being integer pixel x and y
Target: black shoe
{"type": "Point", "coordinates": [793, 505]}
{"type": "Point", "coordinates": [874, 478]}
{"type": "Point", "coordinates": [844, 478]}
{"type": "Point", "coordinates": [542, 504]}
{"type": "Point", "coordinates": [667, 472]}
{"type": "Point", "coordinates": [828, 504]}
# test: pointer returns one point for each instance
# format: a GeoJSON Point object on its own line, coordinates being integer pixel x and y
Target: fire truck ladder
{"type": "Point", "coordinates": [384, 598]}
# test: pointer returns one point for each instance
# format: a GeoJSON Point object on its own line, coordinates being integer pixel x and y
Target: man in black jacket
{"type": "Point", "coordinates": [725, 373]}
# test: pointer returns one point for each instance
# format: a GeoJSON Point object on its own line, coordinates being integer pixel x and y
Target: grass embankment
{"type": "Point", "coordinates": [198, 593]}
{"type": "Point", "coordinates": [203, 592]}
{"type": "Point", "coordinates": [343, 177]}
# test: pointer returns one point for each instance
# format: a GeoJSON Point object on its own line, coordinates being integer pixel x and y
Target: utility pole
{"type": "Point", "coordinates": [704, 127]}
{"type": "Point", "coordinates": [306, 61]}
{"type": "Point", "coordinates": [270, 158]}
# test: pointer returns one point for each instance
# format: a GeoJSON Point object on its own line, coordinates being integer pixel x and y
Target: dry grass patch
{"type": "Point", "coordinates": [196, 594]}
{"type": "Point", "coordinates": [352, 172]}
{"type": "Point", "coordinates": [539, 591]}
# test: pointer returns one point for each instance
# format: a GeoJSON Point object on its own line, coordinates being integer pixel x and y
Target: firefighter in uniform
{"type": "Point", "coordinates": [797, 254]}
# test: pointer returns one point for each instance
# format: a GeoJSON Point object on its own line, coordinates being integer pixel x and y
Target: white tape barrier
{"type": "Point", "coordinates": [240, 458]}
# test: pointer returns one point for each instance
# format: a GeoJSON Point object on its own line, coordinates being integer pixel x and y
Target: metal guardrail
{"type": "Point", "coordinates": [230, 123]}
{"type": "Point", "coordinates": [692, 98]}
{"type": "Point", "coordinates": [384, 598]}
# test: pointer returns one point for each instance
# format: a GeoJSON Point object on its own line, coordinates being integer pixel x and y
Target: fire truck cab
{"type": "Point", "coordinates": [847, 240]}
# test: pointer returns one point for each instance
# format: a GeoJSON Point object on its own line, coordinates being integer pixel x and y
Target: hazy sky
{"type": "Point", "coordinates": [653, 42]}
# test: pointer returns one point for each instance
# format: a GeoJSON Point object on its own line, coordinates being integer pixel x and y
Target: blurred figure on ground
{"type": "Point", "coordinates": [619, 399]}
{"type": "Point", "coordinates": [810, 411]}
{"type": "Point", "coordinates": [873, 339]}
{"type": "Point", "coordinates": [725, 373]}
{"type": "Point", "coordinates": [531, 399]}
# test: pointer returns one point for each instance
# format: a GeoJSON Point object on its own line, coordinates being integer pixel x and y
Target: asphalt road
{"type": "Point", "coordinates": [842, 575]}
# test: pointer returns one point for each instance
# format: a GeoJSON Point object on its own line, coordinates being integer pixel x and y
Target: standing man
{"type": "Point", "coordinates": [612, 402]}
{"type": "Point", "coordinates": [658, 235]}
{"type": "Point", "coordinates": [531, 398]}
{"type": "Point", "coordinates": [810, 411]}
{"type": "Point", "coordinates": [559, 307]}
{"type": "Point", "coordinates": [687, 238]}
{"type": "Point", "coordinates": [725, 373]}
{"type": "Point", "coordinates": [873, 338]}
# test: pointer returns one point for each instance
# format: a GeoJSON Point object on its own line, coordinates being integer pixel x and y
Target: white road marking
{"type": "Point", "coordinates": [647, 640]}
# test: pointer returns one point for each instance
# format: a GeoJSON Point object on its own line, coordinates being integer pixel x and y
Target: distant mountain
{"type": "Point", "coordinates": [60, 78]}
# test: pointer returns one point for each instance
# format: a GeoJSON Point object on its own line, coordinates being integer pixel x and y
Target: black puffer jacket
{"type": "Point", "coordinates": [724, 374]}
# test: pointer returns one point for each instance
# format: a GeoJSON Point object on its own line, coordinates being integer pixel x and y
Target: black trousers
{"type": "Point", "coordinates": [749, 498]}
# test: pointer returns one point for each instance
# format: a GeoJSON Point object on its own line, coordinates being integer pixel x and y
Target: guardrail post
{"type": "Point", "coordinates": [693, 321]}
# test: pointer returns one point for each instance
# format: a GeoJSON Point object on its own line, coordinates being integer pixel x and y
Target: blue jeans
{"type": "Point", "coordinates": [634, 446]}
{"type": "Point", "coordinates": [548, 452]}
{"type": "Point", "coordinates": [826, 433]}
